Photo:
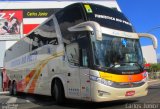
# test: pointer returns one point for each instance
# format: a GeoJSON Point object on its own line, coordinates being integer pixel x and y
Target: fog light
{"type": "Point", "coordinates": [103, 93]}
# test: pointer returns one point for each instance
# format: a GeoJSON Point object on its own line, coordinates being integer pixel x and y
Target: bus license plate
{"type": "Point", "coordinates": [130, 93]}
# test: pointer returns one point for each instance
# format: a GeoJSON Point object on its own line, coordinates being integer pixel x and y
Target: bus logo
{"type": "Point", "coordinates": [130, 93]}
{"type": "Point", "coordinates": [88, 8]}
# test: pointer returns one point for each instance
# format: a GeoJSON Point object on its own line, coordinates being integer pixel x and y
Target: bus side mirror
{"type": "Point", "coordinates": [72, 51]}
{"type": "Point", "coordinates": [146, 66]}
{"type": "Point", "coordinates": [88, 26]}
{"type": "Point", "coordinates": [154, 39]}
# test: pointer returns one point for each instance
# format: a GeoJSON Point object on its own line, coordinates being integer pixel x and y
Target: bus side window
{"type": "Point", "coordinates": [43, 35]}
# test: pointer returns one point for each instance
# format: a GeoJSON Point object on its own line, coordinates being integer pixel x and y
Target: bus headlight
{"type": "Point", "coordinates": [100, 80]}
{"type": "Point", "coordinates": [145, 75]}
{"type": "Point", "coordinates": [144, 79]}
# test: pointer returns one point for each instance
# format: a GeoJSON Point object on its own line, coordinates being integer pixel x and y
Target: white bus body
{"type": "Point", "coordinates": [66, 59]}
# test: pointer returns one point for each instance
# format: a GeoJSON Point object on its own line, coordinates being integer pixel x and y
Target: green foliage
{"type": "Point", "coordinates": [154, 70]}
{"type": "Point", "coordinates": [155, 67]}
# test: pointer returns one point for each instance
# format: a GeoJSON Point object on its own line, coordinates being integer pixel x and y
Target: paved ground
{"type": "Point", "coordinates": [25, 101]}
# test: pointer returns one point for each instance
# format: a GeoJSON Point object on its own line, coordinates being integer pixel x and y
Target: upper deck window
{"type": "Point", "coordinates": [69, 17]}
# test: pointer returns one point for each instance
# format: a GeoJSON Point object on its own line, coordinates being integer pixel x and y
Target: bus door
{"type": "Point", "coordinates": [73, 78]}
{"type": "Point", "coordinates": [83, 42]}
{"type": "Point", "coordinates": [84, 50]}
{"type": "Point", "coordinates": [78, 53]}
{"type": "Point", "coordinates": [78, 82]}
{"type": "Point", "coordinates": [84, 75]}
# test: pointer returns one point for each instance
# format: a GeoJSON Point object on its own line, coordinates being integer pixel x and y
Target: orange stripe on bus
{"type": "Point", "coordinates": [37, 71]}
{"type": "Point", "coordinates": [122, 78]}
{"type": "Point", "coordinates": [23, 83]}
{"type": "Point", "coordinates": [34, 81]}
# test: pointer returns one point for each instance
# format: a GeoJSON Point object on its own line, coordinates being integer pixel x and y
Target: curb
{"type": "Point", "coordinates": [153, 80]}
{"type": "Point", "coordinates": [4, 93]}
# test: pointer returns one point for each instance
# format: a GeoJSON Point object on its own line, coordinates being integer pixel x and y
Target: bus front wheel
{"type": "Point", "coordinates": [58, 92]}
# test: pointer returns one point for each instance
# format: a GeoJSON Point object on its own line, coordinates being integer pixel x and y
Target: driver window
{"type": "Point", "coordinates": [72, 51]}
{"type": "Point", "coordinates": [78, 49]}
{"type": "Point", "coordinates": [84, 58]}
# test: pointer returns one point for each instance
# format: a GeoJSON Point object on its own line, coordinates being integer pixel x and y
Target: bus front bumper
{"type": "Point", "coordinates": [101, 93]}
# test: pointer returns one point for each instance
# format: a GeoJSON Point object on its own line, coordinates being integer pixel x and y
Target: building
{"type": "Point", "coordinates": [158, 58]}
{"type": "Point", "coordinates": [149, 54]}
{"type": "Point", "coordinates": [1, 79]}
{"type": "Point", "coordinates": [28, 15]}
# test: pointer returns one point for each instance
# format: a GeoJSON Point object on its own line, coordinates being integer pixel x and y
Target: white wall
{"type": "Point", "coordinates": [2, 51]}
{"type": "Point", "coordinates": [3, 46]}
{"type": "Point", "coordinates": [158, 58]}
{"type": "Point", "coordinates": [149, 54]}
{"type": "Point", "coordinates": [9, 44]}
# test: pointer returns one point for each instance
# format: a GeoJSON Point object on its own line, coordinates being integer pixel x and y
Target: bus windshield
{"type": "Point", "coordinates": [118, 53]}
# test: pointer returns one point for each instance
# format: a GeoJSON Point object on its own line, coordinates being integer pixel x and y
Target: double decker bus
{"type": "Point", "coordinates": [84, 51]}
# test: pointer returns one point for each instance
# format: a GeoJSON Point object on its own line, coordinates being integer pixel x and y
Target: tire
{"type": "Point", "coordinates": [58, 92]}
{"type": "Point", "coordinates": [14, 89]}
{"type": "Point", "coordinates": [10, 89]}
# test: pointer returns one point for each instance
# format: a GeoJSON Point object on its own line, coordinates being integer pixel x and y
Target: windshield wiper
{"type": "Point", "coordinates": [117, 65]}
{"type": "Point", "coordinates": [136, 63]}
{"type": "Point", "coordinates": [113, 66]}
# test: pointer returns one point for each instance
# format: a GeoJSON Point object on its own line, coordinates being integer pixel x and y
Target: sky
{"type": "Point", "coordinates": [144, 16]}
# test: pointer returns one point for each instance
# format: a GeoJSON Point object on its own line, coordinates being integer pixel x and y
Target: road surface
{"type": "Point", "coordinates": [26, 101]}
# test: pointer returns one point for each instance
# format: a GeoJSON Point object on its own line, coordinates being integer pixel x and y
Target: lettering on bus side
{"type": "Point", "coordinates": [24, 59]}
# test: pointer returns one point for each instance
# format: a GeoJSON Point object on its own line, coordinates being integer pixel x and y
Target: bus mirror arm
{"type": "Point", "coordinates": [154, 39]}
{"type": "Point", "coordinates": [88, 26]}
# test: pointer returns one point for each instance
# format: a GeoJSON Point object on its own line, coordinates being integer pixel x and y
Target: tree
{"type": "Point", "coordinates": [154, 68]}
